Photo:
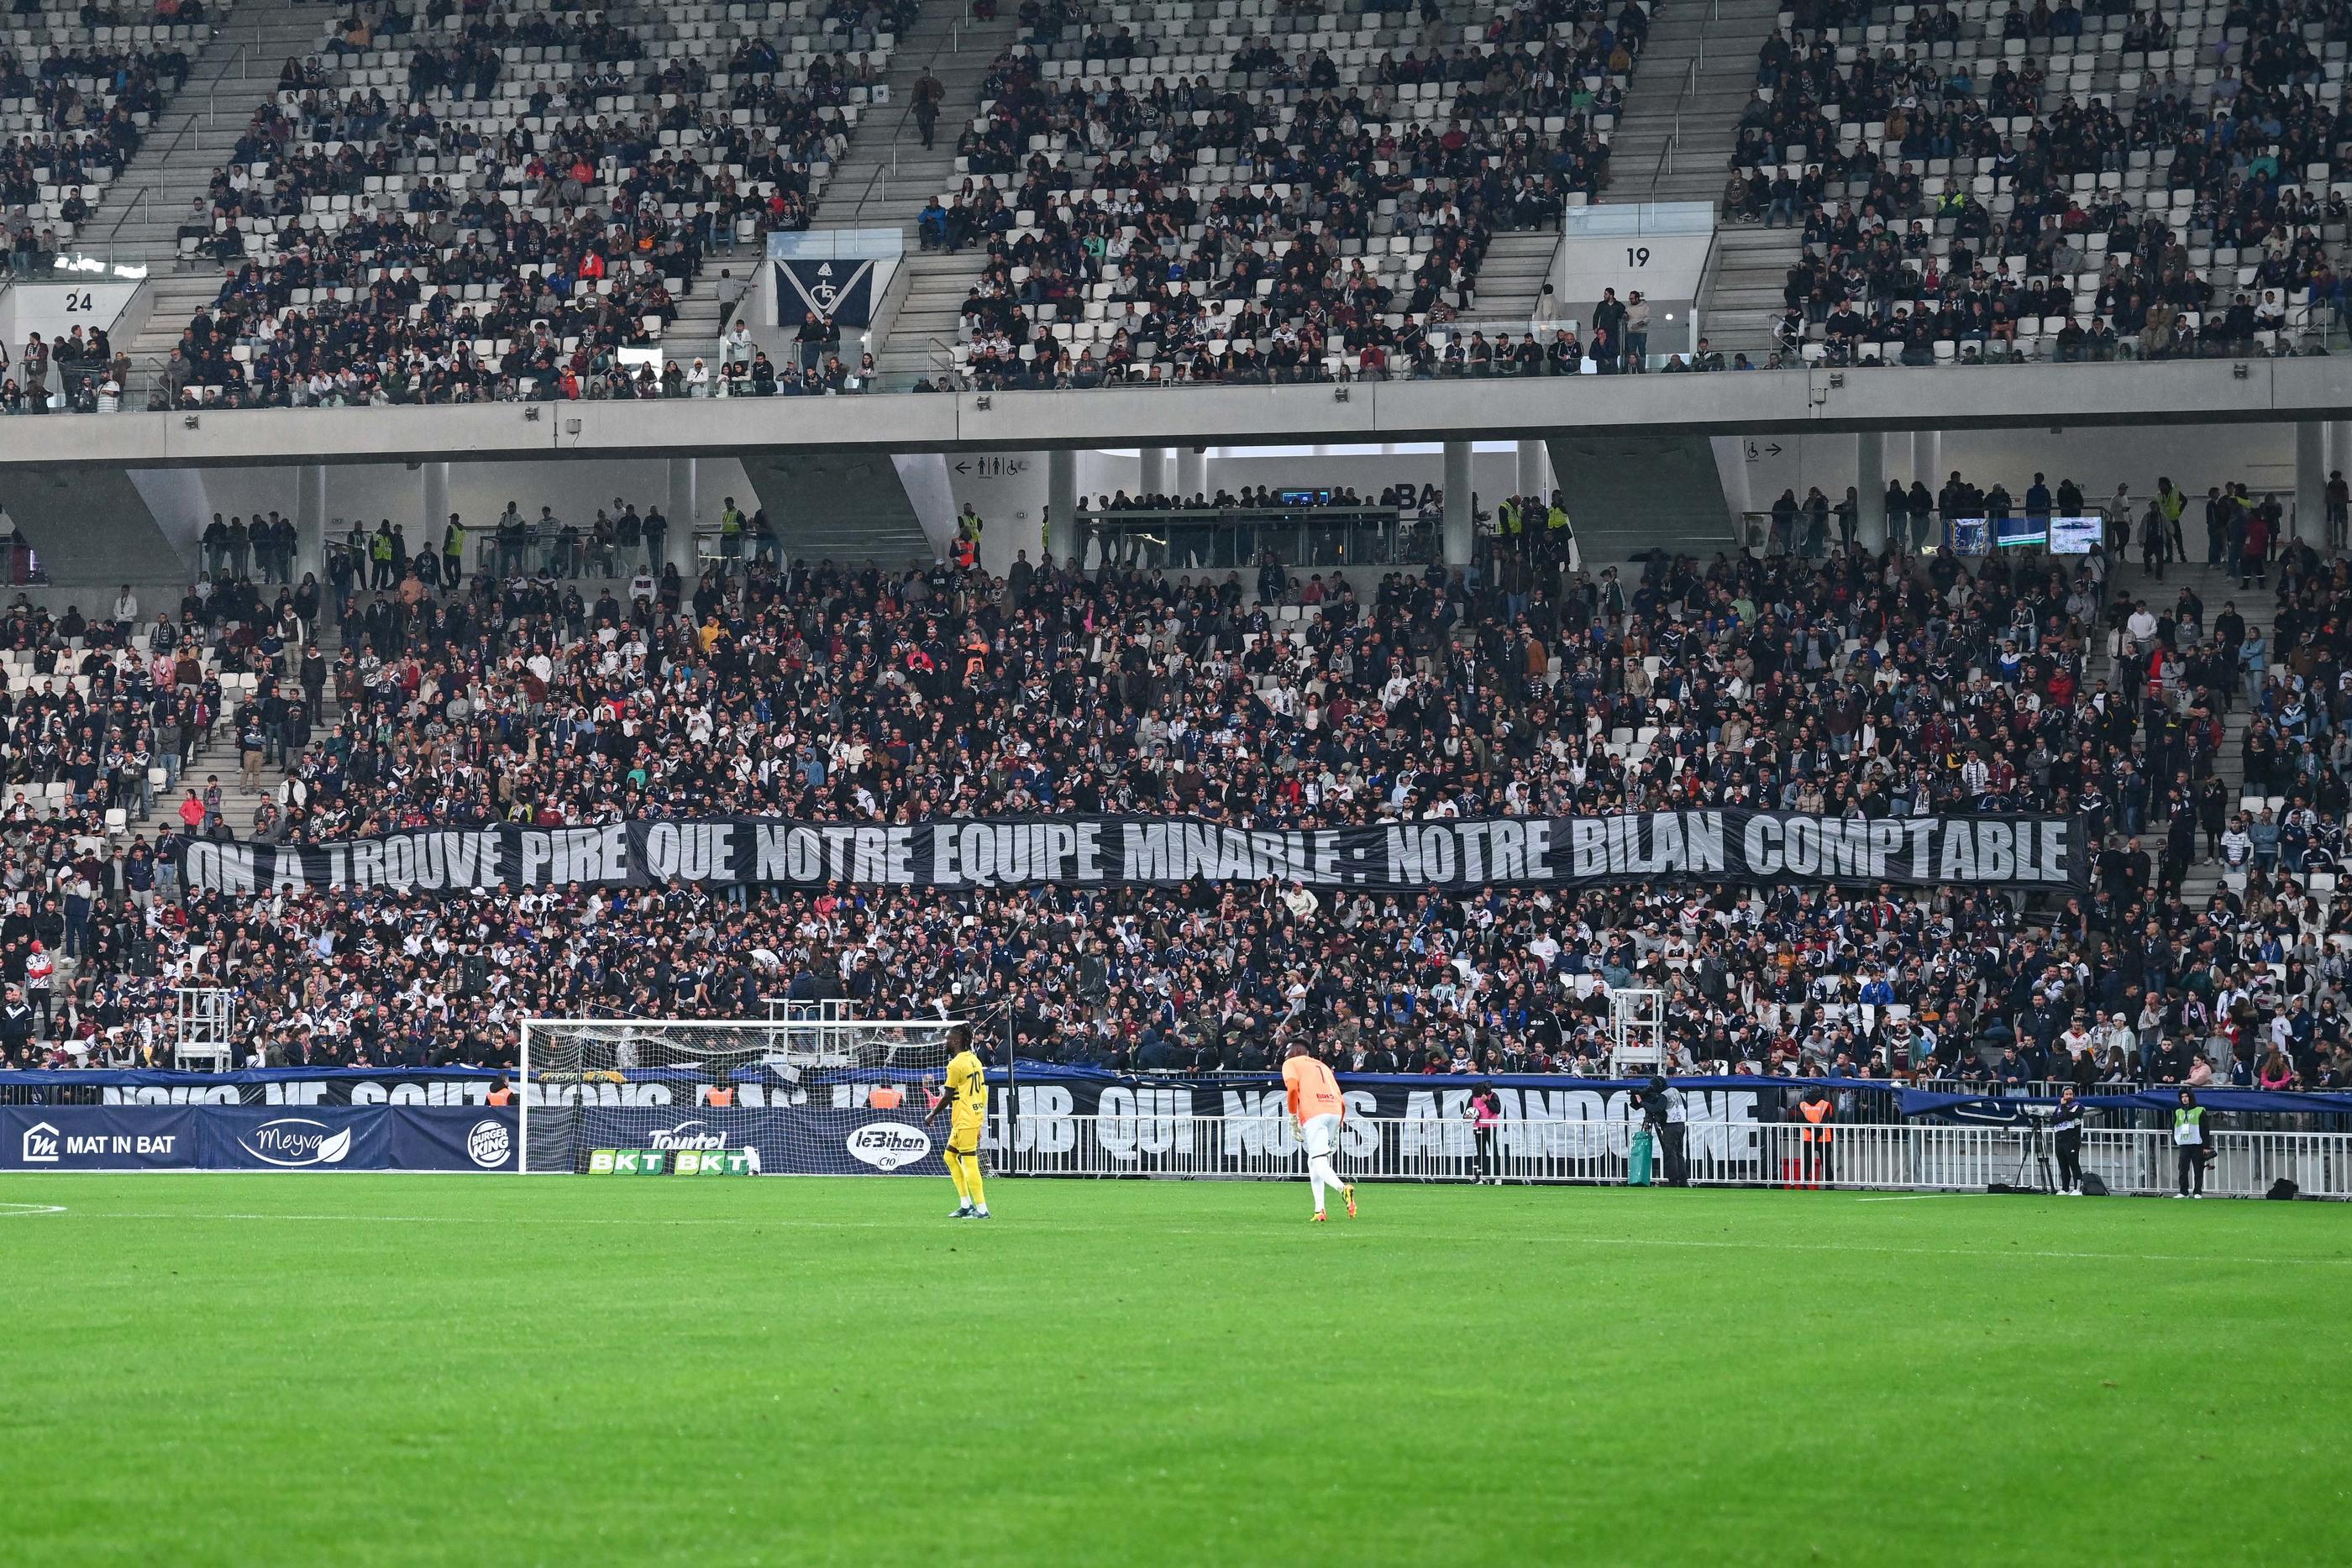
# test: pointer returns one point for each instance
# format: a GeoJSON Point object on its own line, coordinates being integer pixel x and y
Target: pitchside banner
{"type": "Point", "coordinates": [257, 1138]}
{"type": "Point", "coordinates": [1114, 852]}
{"type": "Point", "coordinates": [258, 1086]}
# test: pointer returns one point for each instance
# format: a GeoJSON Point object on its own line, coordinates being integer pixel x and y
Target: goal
{"type": "Point", "coordinates": [814, 1095]}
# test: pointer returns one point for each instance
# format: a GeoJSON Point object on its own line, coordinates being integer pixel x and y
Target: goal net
{"type": "Point", "coordinates": [813, 1096]}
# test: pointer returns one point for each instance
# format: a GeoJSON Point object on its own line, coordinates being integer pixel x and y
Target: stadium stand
{"type": "Point", "coordinates": [496, 205]}
{"type": "Point", "coordinates": [1313, 218]}
{"type": "Point", "coordinates": [2194, 720]}
{"type": "Point", "coordinates": [80, 89]}
{"type": "Point", "coordinates": [1989, 181]}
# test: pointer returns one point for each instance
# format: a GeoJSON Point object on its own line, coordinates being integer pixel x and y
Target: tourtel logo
{"type": "Point", "coordinates": [886, 1145]}
{"type": "Point", "coordinates": [296, 1140]}
{"type": "Point", "coordinates": [684, 1136]}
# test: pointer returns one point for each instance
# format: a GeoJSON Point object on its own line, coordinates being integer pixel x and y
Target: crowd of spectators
{"type": "Point", "coordinates": [74, 108]}
{"type": "Point", "coordinates": [1851, 684]}
{"type": "Point", "coordinates": [474, 239]}
{"type": "Point", "coordinates": [2177, 195]}
{"type": "Point", "coordinates": [1147, 227]}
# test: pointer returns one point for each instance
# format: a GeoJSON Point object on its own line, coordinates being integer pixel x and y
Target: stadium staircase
{"type": "Point", "coordinates": [2216, 587]}
{"type": "Point", "coordinates": [1513, 275]}
{"type": "Point", "coordinates": [1696, 72]}
{"type": "Point", "coordinates": [888, 179]}
{"type": "Point", "coordinates": [139, 219]}
{"type": "Point", "coordinates": [1629, 494]}
{"type": "Point", "coordinates": [1745, 300]}
{"type": "Point", "coordinates": [888, 176]}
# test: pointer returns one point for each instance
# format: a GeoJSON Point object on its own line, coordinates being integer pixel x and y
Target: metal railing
{"type": "Point", "coordinates": [1906, 1157]}
{"type": "Point", "coordinates": [1193, 537]}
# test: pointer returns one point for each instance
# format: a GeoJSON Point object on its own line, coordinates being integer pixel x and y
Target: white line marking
{"type": "Point", "coordinates": [1920, 1196]}
{"type": "Point", "coordinates": [10, 1211]}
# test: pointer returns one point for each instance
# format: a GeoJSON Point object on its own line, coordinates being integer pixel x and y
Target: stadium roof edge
{"type": "Point", "coordinates": [1764, 402]}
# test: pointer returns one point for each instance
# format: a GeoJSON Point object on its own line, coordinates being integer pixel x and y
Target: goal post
{"type": "Point", "coordinates": [817, 1095]}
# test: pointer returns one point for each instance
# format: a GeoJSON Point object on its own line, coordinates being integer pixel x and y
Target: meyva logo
{"type": "Point", "coordinates": [294, 1141]}
{"type": "Point", "coordinates": [888, 1145]}
{"type": "Point", "coordinates": [40, 1147]}
{"type": "Point", "coordinates": [684, 1136]}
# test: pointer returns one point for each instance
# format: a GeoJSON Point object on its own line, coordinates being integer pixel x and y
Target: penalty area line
{"type": "Point", "coordinates": [1919, 1196]}
{"type": "Point", "coordinates": [11, 1211]}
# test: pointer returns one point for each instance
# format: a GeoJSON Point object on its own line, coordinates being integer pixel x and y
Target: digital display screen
{"type": "Point", "coordinates": [2076, 536]}
{"type": "Point", "coordinates": [2014, 533]}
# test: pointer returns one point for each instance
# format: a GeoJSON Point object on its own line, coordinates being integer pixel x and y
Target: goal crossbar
{"type": "Point", "coordinates": [750, 1082]}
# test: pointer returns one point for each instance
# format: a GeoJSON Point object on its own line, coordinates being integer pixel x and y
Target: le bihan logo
{"type": "Point", "coordinates": [295, 1141]}
{"type": "Point", "coordinates": [888, 1145]}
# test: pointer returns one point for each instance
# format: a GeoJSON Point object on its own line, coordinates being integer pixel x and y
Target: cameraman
{"type": "Point", "coordinates": [2066, 1125]}
{"type": "Point", "coordinates": [1667, 1111]}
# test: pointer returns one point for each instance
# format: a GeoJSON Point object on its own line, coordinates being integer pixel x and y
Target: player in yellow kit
{"type": "Point", "coordinates": [966, 1101]}
{"type": "Point", "coordinates": [1319, 1113]}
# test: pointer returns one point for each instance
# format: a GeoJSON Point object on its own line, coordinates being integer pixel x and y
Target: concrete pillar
{"type": "Point", "coordinates": [2311, 481]}
{"type": "Point", "coordinates": [1191, 472]}
{"type": "Point", "coordinates": [684, 508]}
{"type": "Point", "coordinates": [436, 506]}
{"type": "Point", "coordinates": [1535, 470]}
{"type": "Point", "coordinates": [1060, 505]}
{"type": "Point", "coordinates": [1928, 458]}
{"type": "Point", "coordinates": [2339, 447]}
{"type": "Point", "coordinates": [1870, 488]}
{"type": "Point", "coordinates": [1461, 528]}
{"type": "Point", "coordinates": [310, 522]}
{"type": "Point", "coordinates": [1151, 471]}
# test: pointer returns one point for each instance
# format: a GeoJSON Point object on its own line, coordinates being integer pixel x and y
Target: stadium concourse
{"type": "Point", "coordinates": [2193, 720]}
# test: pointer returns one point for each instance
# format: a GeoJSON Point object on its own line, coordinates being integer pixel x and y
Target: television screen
{"type": "Point", "coordinates": [2076, 536]}
{"type": "Point", "coordinates": [2014, 533]}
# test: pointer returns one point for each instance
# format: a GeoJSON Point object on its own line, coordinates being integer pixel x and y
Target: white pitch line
{"type": "Point", "coordinates": [1920, 1196]}
{"type": "Point", "coordinates": [10, 1211]}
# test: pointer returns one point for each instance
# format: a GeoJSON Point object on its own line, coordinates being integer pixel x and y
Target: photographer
{"type": "Point", "coordinates": [1483, 1111]}
{"type": "Point", "coordinates": [2067, 1126]}
{"type": "Point", "coordinates": [1667, 1111]}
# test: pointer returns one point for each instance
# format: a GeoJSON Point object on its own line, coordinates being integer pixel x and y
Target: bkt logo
{"type": "Point", "coordinates": [683, 1136]}
{"type": "Point", "coordinates": [294, 1141]}
{"type": "Point", "coordinates": [40, 1145]}
{"type": "Point", "coordinates": [886, 1145]}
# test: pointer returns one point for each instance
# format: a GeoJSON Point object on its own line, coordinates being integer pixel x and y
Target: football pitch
{"type": "Point", "coordinates": [357, 1369]}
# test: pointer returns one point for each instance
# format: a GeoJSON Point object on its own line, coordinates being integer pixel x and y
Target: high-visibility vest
{"type": "Point", "coordinates": [501, 1096]}
{"type": "Point", "coordinates": [1817, 1114]}
{"type": "Point", "coordinates": [718, 1095]}
{"type": "Point", "coordinates": [886, 1097]}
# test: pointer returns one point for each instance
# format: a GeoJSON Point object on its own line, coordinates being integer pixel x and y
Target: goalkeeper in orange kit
{"type": "Point", "coordinates": [1319, 1113]}
{"type": "Point", "coordinates": [966, 1103]}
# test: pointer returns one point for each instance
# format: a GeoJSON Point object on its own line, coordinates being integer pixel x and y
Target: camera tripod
{"type": "Point", "coordinates": [2034, 1171]}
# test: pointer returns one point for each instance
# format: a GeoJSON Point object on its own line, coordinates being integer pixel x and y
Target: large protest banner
{"type": "Point", "coordinates": [1718, 845]}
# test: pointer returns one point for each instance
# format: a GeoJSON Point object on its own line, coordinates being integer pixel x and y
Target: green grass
{"type": "Point", "coordinates": [353, 1369]}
